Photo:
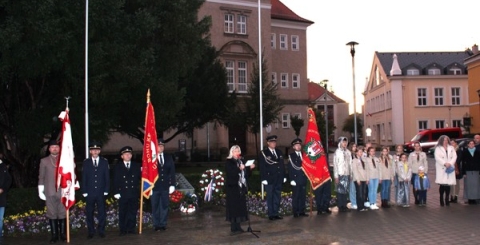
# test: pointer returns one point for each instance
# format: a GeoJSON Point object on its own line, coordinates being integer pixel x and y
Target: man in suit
{"type": "Point", "coordinates": [164, 186]}
{"type": "Point", "coordinates": [95, 187]}
{"type": "Point", "coordinates": [126, 188]}
{"type": "Point", "coordinates": [272, 173]}
{"type": "Point", "coordinates": [5, 183]}
{"type": "Point", "coordinates": [298, 179]}
{"type": "Point", "coordinates": [48, 192]}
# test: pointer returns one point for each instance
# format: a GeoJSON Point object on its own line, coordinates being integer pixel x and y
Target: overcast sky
{"type": "Point", "coordinates": [384, 26]}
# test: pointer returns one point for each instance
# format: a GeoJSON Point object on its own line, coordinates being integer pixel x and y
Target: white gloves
{"type": "Point", "coordinates": [292, 183]}
{"type": "Point", "coordinates": [105, 193]}
{"type": "Point", "coordinates": [117, 196]}
{"type": "Point", "coordinates": [171, 189]}
{"type": "Point", "coordinates": [41, 192]}
{"type": "Point", "coordinates": [85, 194]}
{"type": "Point", "coordinates": [264, 182]}
{"type": "Point", "coordinates": [284, 180]}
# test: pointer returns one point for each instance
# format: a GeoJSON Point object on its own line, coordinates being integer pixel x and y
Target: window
{"type": "Point", "coordinates": [389, 130]}
{"type": "Point", "coordinates": [455, 96]}
{"type": "Point", "coordinates": [229, 65]}
{"type": "Point", "coordinates": [228, 23]}
{"type": "Point", "coordinates": [439, 123]}
{"type": "Point", "coordinates": [284, 80]}
{"type": "Point", "coordinates": [434, 71]}
{"type": "Point", "coordinates": [274, 77]}
{"type": "Point", "coordinates": [422, 125]}
{"type": "Point", "coordinates": [295, 44]}
{"type": "Point", "coordinates": [422, 96]}
{"type": "Point", "coordinates": [295, 80]}
{"type": "Point", "coordinates": [456, 123]}
{"type": "Point", "coordinates": [389, 99]}
{"type": "Point", "coordinates": [438, 96]}
{"type": "Point", "coordinates": [285, 120]}
{"type": "Point", "coordinates": [455, 71]}
{"type": "Point", "coordinates": [413, 72]}
{"type": "Point", "coordinates": [283, 42]}
{"type": "Point", "coordinates": [242, 76]}
{"type": "Point", "coordinates": [241, 24]}
{"type": "Point", "coordinates": [273, 40]}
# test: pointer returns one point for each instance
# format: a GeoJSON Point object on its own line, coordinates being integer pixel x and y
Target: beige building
{"type": "Point", "coordinates": [411, 91]}
{"type": "Point", "coordinates": [473, 67]}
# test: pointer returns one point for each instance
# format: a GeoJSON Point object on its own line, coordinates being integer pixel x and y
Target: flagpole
{"type": "Point", "coordinates": [68, 225]}
{"type": "Point", "coordinates": [260, 73]}
{"type": "Point", "coordinates": [86, 80]}
{"type": "Point", "coordinates": [140, 223]}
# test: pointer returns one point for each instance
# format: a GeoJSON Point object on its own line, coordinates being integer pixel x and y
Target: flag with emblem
{"type": "Point", "coordinates": [314, 157]}
{"type": "Point", "coordinates": [149, 159]}
{"type": "Point", "coordinates": [66, 179]}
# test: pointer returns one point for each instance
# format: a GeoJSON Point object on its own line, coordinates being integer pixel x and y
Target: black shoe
{"type": "Point", "coordinates": [90, 236]}
{"type": "Point", "coordinates": [454, 199]}
{"type": "Point", "coordinates": [123, 233]}
{"type": "Point", "coordinates": [417, 202]}
{"type": "Point", "coordinates": [131, 232]}
{"type": "Point", "coordinates": [296, 215]}
{"type": "Point", "coordinates": [102, 235]}
{"type": "Point", "coordinates": [278, 217]}
{"type": "Point", "coordinates": [303, 214]}
{"type": "Point", "coordinates": [271, 218]}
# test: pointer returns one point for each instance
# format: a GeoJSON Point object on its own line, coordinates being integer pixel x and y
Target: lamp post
{"type": "Point", "coordinates": [325, 112]}
{"type": "Point", "coordinates": [368, 131]}
{"type": "Point", "coordinates": [352, 52]}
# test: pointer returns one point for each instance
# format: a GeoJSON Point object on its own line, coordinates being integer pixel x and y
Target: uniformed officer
{"type": "Point", "coordinates": [95, 187]}
{"type": "Point", "coordinates": [126, 188]}
{"type": "Point", "coordinates": [272, 173]}
{"type": "Point", "coordinates": [164, 186]}
{"type": "Point", "coordinates": [298, 179]}
{"type": "Point", "coordinates": [48, 192]}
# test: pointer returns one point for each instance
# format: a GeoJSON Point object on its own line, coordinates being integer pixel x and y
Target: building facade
{"type": "Point", "coordinates": [473, 67]}
{"type": "Point", "coordinates": [411, 91]}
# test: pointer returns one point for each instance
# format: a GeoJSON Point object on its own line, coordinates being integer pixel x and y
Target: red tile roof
{"type": "Point", "coordinates": [282, 12]}
{"type": "Point", "coordinates": [315, 91]}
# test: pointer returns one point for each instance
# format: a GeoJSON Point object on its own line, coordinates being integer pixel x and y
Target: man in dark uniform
{"type": "Point", "coordinates": [272, 173]}
{"type": "Point", "coordinates": [164, 186]}
{"type": "Point", "coordinates": [47, 191]}
{"type": "Point", "coordinates": [126, 188]}
{"type": "Point", "coordinates": [298, 179]}
{"type": "Point", "coordinates": [5, 183]}
{"type": "Point", "coordinates": [95, 187]}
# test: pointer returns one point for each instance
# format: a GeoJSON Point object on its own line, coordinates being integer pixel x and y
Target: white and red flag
{"type": "Point", "coordinates": [66, 179]}
{"type": "Point", "coordinates": [314, 158]}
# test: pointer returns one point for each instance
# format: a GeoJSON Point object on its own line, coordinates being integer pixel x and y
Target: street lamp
{"type": "Point", "coordinates": [325, 112]}
{"type": "Point", "coordinates": [352, 52]}
{"type": "Point", "coordinates": [369, 133]}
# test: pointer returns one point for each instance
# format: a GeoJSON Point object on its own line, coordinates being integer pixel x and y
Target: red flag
{"type": "Point", "coordinates": [314, 158]}
{"type": "Point", "coordinates": [149, 164]}
{"type": "Point", "coordinates": [66, 179]}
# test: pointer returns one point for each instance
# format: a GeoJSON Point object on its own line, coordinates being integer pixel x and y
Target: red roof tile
{"type": "Point", "coordinates": [282, 12]}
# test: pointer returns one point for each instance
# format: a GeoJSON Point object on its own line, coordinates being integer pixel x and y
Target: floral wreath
{"type": "Point", "coordinates": [189, 204]}
{"type": "Point", "coordinates": [176, 199]}
{"type": "Point", "coordinates": [211, 184]}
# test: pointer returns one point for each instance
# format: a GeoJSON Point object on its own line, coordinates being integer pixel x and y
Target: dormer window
{"type": "Point", "coordinates": [434, 71]}
{"type": "Point", "coordinates": [455, 71]}
{"type": "Point", "coordinates": [413, 72]}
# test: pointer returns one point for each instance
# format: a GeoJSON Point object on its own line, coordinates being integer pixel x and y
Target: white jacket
{"type": "Point", "coordinates": [443, 156]}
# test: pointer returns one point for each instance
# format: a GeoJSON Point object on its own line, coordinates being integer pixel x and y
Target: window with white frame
{"type": "Point", "coordinates": [274, 77]}
{"type": "Point", "coordinates": [422, 125]}
{"type": "Point", "coordinates": [456, 123]}
{"type": "Point", "coordinates": [228, 23]}
{"type": "Point", "coordinates": [438, 96]}
{"type": "Point", "coordinates": [422, 96]}
{"type": "Point", "coordinates": [273, 40]}
{"type": "Point", "coordinates": [413, 72]}
{"type": "Point", "coordinates": [455, 71]}
{"type": "Point", "coordinates": [434, 71]}
{"type": "Point", "coordinates": [284, 80]}
{"type": "Point", "coordinates": [439, 123]}
{"type": "Point", "coordinates": [241, 24]}
{"type": "Point", "coordinates": [295, 43]}
{"type": "Point", "coordinates": [455, 96]}
{"type": "Point", "coordinates": [283, 42]}
{"type": "Point", "coordinates": [285, 120]}
{"type": "Point", "coordinates": [295, 80]}
{"type": "Point", "coordinates": [242, 76]}
{"type": "Point", "coordinates": [230, 67]}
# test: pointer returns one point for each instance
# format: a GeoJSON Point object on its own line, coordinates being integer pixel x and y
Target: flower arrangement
{"type": "Point", "coordinates": [211, 184]}
{"type": "Point", "coordinates": [175, 199]}
{"type": "Point", "coordinates": [189, 204]}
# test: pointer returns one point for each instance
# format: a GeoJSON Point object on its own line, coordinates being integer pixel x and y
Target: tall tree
{"type": "Point", "coordinates": [320, 116]}
{"type": "Point", "coordinates": [348, 125]}
{"type": "Point", "coordinates": [297, 124]}
{"type": "Point", "coordinates": [271, 103]}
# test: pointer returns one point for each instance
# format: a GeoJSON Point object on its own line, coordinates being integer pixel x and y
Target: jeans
{"type": "Point", "coordinates": [385, 193]}
{"type": "Point", "coordinates": [372, 191]}
{"type": "Point", "coordinates": [2, 212]}
{"type": "Point", "coordinates": [353, 193]}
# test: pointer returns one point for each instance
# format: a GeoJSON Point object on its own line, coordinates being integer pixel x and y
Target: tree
{"type": "Point", "coordinates": [271, 103]}
{"type": "Point", "coordinates": [297, 124]}
{"type": "Point", "coordinates": [320, 117]}
{"type": "Point", "coordinates": [348, 125]}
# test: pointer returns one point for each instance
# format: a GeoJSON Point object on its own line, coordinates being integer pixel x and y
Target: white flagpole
{"type": "Point", "coordinates": [86, 80]}
{"type": "Point", "coordinates": [260, 72]}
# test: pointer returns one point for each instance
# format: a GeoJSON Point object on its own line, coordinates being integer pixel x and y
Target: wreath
{"type": "Point", "coordinates": [175, 199]}
{"type": "Point", "coordinates": [189, 204]}
{"type": "Point", "coordinates": [211, 184]}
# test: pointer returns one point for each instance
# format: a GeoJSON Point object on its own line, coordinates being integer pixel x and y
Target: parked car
{"type": "Point", "coordinates": [429, 138]}
{"type": "Point", "coordinates": [463, 142]}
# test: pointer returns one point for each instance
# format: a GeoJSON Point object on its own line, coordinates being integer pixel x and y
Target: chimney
{"type": "Point", "coordinates": [395, 71]}
{"type": "Point", "coordinates": [475, 49]}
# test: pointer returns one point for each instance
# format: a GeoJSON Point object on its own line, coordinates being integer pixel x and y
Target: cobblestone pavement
{"type": "Point", "coordinates": [457, 224]}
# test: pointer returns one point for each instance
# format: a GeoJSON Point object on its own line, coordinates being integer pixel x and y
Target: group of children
{"type": "Point", "coordinates": [367, 172]}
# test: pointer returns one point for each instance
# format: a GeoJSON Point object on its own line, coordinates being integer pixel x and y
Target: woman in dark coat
{"type": "Point", "coordinates": [236, 189]}
{"type": "Point", "coordinates": [470, 169]}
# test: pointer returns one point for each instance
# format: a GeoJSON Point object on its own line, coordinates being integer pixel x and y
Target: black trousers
{"type": "Point", "coordinates": [361, 194]}
{"type": "Point", "coordinates": [323, 195]}
{"type": "Point", "coordinates": [299, 198]}
{"type": "Point", "coordinates": [127, 213]}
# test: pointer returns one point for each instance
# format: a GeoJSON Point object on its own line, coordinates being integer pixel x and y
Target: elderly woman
{"type": "Point", "coordinates": [236, 190]}
{"type": "Point", "coordinates": [445, 158]}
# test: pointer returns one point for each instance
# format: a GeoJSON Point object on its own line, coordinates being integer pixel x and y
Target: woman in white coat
{"type": "Point", "coordinates": [445, 157]}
